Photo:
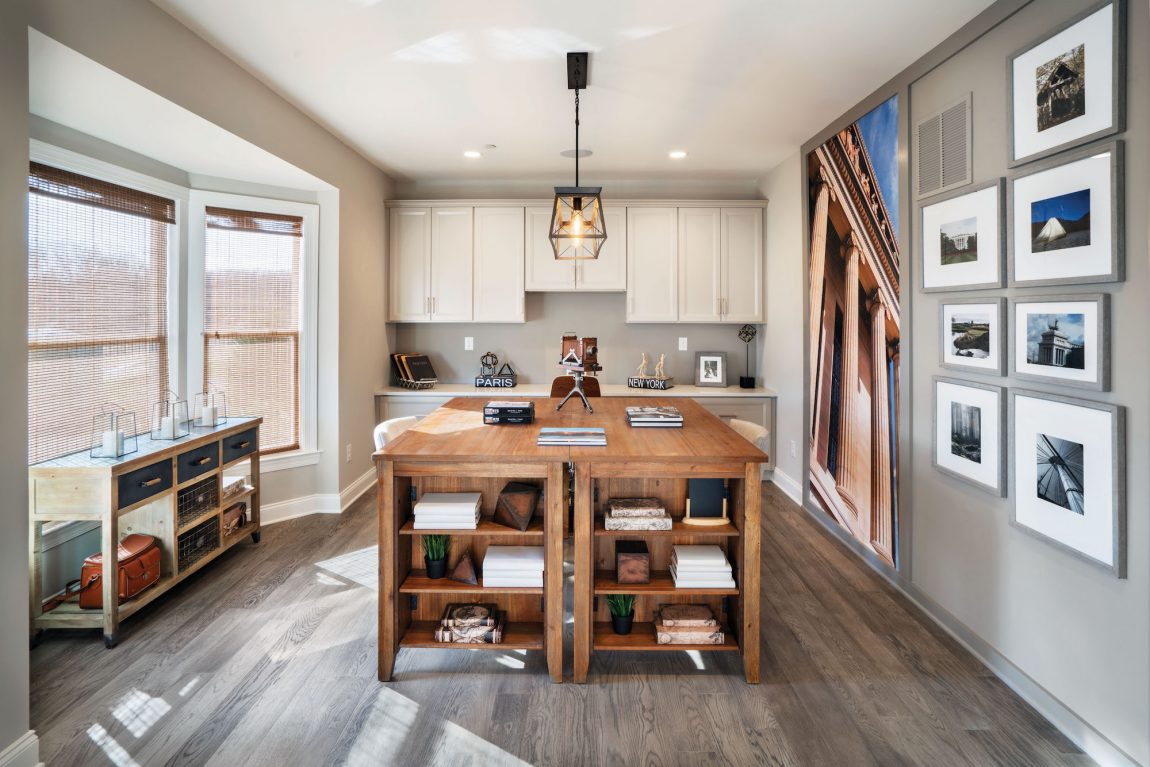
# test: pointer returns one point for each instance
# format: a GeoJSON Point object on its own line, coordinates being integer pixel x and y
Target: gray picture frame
{"type": "Point", "coordinates": [1002, 446]}
{"type": "Point", "coordinates": [699, 369]}
{"type": "Point", "coordinates": [1118, 101]}
{"type": "Point", "coordinates": [1000, 182]}
{"type": "Point", "coordinates": [1101, 340]}
{"type": "Point", "coordinates": [1117, 219]}
{"type": "Point", "coordinates": [1117, 478]}
{"type": "Point", "coordinates": [1000, 366]}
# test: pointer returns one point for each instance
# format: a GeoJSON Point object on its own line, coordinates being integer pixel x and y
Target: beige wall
{"type": "Point", "coordinates": [141, 42]}
{"type": "Point", "coordinates": [782, 338]}
{"type": "Point", "coordinates": [14, 371]}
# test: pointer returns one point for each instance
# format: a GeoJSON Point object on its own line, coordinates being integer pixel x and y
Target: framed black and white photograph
{"type": "Point", "coordinates": [969, 438]}
{"type": "Point", "coordinates": [972, 335]}
{"type": "Point", "coordinates": [1063, 339]}
{"type": "Point", "coordinates": [1068, 88]}
{"type": "Point", "coordinates": [1066, 219]}
{"type": "Point", "coordinates": [963, 241]}
{"type": "Point", "coordinates": [1070, 475]}
{"type": "Point", "coordinates": [710, 368]}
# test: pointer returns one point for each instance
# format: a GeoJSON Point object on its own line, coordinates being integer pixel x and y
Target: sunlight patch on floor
{"type": "Point", "coordinates": [138, 711]}
{"type": "Point", "coordinates": [381, 740]}
{"type": "Point", "coordinates": [360, 567]}
{"type": "Point", "coordinates": [116, 753]}
{"type": "Point", "coordinates": [456, 740]}
{"type": "Point", "coordinates": [697, 657]}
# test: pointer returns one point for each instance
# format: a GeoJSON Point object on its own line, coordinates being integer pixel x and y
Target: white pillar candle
{"type": "Point", "coordinates": [112, 444]}
{"type": "Point", "coordinates": [207, 416]}
{"type": "Point", "coordinates": [167, 427]}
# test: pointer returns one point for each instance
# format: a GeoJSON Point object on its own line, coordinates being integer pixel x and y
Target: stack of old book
{"type": "Point", "coordinates": [700, 566]}
{"type": "Point", "coordinates": [687, 624]}
{"type": "Point", "coordinates": [513, 567]}
{"type": "Point", "coordinates": [574, 435]}
{"type": "Point", "coordinates": [471, 624]}
{"type": "Point", "coordinates": [636, 514]}
{"type": "Point", "coordinates": [502, 411]}
{"type": "Point", "coordinates": [654, 416]}
{"type": "Point", "coordinates": [447, 511]}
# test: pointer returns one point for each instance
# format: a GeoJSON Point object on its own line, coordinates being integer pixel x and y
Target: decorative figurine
{"type": "Point", "coordinates": [641, 371]}
{"type": "Point", "coordinates": [643, 381]}
{"type": "Point", "coordinates": [660, 373]}
{"type": "Point", "coordinates": [747, 334]}
{"type": "Point", "coordinates": [487, 364]}
{"type": "Point", "coordinates": [490, 378]}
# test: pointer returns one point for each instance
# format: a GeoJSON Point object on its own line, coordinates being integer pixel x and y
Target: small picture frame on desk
{"type": "Point", "coordinates": [710, 368]}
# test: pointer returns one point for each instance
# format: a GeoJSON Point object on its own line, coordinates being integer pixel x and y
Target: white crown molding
{"type": "Point", "coordinates": [24, 752]}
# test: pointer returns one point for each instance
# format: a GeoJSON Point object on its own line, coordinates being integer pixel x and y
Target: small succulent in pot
{"type": "Point", "coordinates": [435, 549]}
{"type": "Point", "coordinates": [622, 607]}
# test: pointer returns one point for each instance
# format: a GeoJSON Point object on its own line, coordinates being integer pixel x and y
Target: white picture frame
{"type": "Point", "coordinates": [1066, 220]}
{"type": "Point", "coordinates": [969, 433]}
{"type": "Point", "coordinates": [1068, 88]}
{"type": "Point", "coordinates": [958, 321]}
{"type": "Point", "coordinates": [1069, 477]}
{"type": "Point", "coordinates": [963, 247]}
{"type": "Point", "coordinates": [1062, 340]}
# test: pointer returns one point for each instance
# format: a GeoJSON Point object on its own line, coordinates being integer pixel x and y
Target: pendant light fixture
{"type": "Point", "coordinates": [578, 230]}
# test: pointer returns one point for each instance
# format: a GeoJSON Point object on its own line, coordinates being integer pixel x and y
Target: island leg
{"type": "Point", "coordinates": [556, 497]}
{"type": "Point", "coordinates": [584, 577]}
{"type": "Point", "coordinates": [388, 571]}
{"type": "Point", "coordinates": [752, 509]}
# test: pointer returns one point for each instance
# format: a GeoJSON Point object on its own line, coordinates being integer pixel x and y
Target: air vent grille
{"type": "Point", "coordinates": [942, 150]}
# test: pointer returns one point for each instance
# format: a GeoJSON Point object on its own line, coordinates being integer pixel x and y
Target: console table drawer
{"type": "Point", "coordinates": [196, 462]}
{"type": "Point", "coordinates": [143, 483]}
{"type": "Point", "coordinates": [241, 444]}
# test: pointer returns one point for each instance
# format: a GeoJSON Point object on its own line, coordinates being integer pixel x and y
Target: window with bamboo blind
{"type": "Point", "coordinates": [252, 318]}
{"type": "Point", "coordinates": [97, 305]}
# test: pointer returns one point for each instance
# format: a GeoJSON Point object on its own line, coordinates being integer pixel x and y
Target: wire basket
{"type": "Point", "coordinates": [197, 543]}
{"type": "Point", "coordinates": [195, 500]}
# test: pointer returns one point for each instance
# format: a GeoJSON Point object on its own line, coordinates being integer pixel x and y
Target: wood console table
{"type": "Point", "coordinates": [451, 450]}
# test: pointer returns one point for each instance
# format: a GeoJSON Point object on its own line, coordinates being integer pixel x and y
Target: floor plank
{"type": "Point", "coordinates": [267, 658]}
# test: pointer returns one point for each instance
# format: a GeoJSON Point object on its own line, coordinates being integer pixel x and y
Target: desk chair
{"type": "Point", "coordinates": [389, 430]}
{"type": "Point", "coordinates": [563, 385]}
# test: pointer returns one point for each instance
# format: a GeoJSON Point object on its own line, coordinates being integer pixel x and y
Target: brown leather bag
{"type": "Point", "coordinates": [139, 557]}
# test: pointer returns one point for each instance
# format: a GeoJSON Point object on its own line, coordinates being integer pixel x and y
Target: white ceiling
{"type": "Point", "coordinates": [72, 90]}
{"type": "Point", "coordinates": [739, 84]}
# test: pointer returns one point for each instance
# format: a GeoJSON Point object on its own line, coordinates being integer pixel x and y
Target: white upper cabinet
{"type": "Point", "coordinates": [652, 265]}
{"type": "Point", "coordinates": [543, 271]}
{"type": "Point", "coordinates": [410, 264]}
{"type": "Point", "coordinates": [699, 265]}
{"type": "Point", "coordinates": [498, 278]}
{"type": "Point", "coordinates": [742, 265]}
{"type": "Point", "coordinates": [609, 271]}
{"type": "Point", "coordinates": [451, 264]}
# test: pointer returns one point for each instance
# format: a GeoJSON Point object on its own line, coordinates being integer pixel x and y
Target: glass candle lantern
{"type": "Point", "coordinates": [113, 433]}
{"type": "Point", "coordinates": [209, 409]}
{"type": "Point", "coordinates": [170, 418]}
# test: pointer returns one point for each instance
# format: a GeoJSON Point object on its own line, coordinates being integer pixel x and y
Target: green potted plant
{"type": "Point", "coordinates": [622, 607]}
{"type": "Point", "coordinates": [435, 554]}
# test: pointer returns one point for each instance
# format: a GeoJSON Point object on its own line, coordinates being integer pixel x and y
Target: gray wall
{"type": "Point", "coordinates": [14, 371]}
{"type": "Point", "coordinates": [1074, 629]}
{"type": "Point", "coordinates": [533, 347]}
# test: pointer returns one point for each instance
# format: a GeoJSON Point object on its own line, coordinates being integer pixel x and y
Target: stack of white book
{"type": "Point", "coordinates": [447, 511]}
{"type": "Point", "coordinates": [513, 567]}
{"type": "Point", "coordinates": [700, 567]}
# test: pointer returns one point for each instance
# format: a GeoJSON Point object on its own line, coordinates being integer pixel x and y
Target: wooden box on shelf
{"type": "Point", "coordinates": [632, 562]}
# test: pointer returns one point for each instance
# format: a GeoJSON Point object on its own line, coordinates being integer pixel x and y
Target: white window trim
{"type": "Point", "coordinates": [308, 453]}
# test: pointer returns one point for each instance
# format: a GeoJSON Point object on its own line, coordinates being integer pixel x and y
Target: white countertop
{"type": "Point", "coordinates": [544, 390]}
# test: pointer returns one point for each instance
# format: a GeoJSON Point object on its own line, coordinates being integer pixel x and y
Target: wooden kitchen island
{"type": "Point", "coordinates": [451, 450]}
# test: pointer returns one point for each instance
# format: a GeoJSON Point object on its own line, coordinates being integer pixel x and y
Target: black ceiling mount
{"type": "Point", "coordinates": [577, 71]}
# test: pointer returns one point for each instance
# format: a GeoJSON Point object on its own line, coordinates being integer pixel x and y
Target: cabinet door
{"type": "Point", "coordinates": [652, 265]}
{"type": "Point", "coordinates": [543, 272]}
{"type": "Point", "coordinates": [742, 265]}
{"type": "Point", "coordinates": [609, 271]}
{"type": "Point", "coordinates": [498, 295]}
{"type": "Point", "coordinates": [699, 262]}
{"type": "Point", "coordinates": [451, 264]}
{"type": "Point", "coordinates": [409, 257]}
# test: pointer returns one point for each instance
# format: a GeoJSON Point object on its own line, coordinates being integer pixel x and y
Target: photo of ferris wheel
{"type": "Point", "coordinates": [1060, 472]}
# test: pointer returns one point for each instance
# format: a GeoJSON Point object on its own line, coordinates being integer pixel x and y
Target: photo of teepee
{"type": "Point", "coordinates": [1060, 222]}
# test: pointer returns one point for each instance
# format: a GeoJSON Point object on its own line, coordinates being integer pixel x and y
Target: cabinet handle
{"type": "Point", "coordinates": [202, 461]}
{"type": "Point", "coordinates": [150, 482]}
{"type": "Point", "coordinates": [241, 445]}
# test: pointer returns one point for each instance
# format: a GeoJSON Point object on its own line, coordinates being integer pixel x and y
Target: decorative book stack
{"type": "Point", "coordinates": [663, 416]}
{"type": "Point", "coordinates": [555, 435]}
{"type": "Point", "coordinates": [687, 624]}
{"type": "Point", "coordinates": [447, 511]}
{"type": "Point", "coordinates": [700, 566]}
{"type": "Point", "coordinates": [471, 624]}
{"type": "Point", "coordinates": [636, 514]}
{"type": "Point", "coordinates": [509, 411]}
{"type": "Point", "coordinates": [513, 567]}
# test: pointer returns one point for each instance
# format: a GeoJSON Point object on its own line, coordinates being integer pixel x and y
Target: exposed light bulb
{"type": "Point", "coordinates": [577, 223]}
{"type": "Point", "coordinates": [677, 154]}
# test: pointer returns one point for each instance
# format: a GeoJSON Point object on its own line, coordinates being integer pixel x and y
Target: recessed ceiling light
{"type": "Point", "coordinates": [471, 154]}
{"type": "Point", "coordinates": [677, 154]}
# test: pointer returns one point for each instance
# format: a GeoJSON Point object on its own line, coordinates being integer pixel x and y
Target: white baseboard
{"type": "Point", "coordinates": [25, 752]}
{"type": "Point", "coordinates": [788, 485]}
{"type": "Point", "coordinates": [1096, 745]}
{"type": "Point", "coordinates": [318, 503]}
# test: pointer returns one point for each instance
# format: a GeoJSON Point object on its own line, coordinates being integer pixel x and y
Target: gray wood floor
{"type": "Point", "coordinates": [268, 658]}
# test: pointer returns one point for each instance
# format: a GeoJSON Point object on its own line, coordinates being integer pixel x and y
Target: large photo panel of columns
{"type": "Point", "coordinates": [853, 333]}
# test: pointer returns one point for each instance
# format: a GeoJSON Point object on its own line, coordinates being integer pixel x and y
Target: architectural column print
{"type": "Point", "coordinates": [819, 221]}
{"type": "Point", "coordinates": [848, 396]}
{"type": "Point", "coordinates": [880, 430]}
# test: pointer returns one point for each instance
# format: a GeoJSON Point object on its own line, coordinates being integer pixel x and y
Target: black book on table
{"type": "Point", "coordinates": [508, 419]}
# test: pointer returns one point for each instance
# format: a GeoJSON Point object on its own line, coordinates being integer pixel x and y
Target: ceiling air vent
{"type": "Point", "coordinates": [942, 150]}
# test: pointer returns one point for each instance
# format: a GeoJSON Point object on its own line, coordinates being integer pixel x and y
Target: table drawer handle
{"type": "Point", "coordinates": [202, 461]}
{"type": "Point", "coordinates": [151, 482]}
{"type": "Point", "coordinates": [241, 445]}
